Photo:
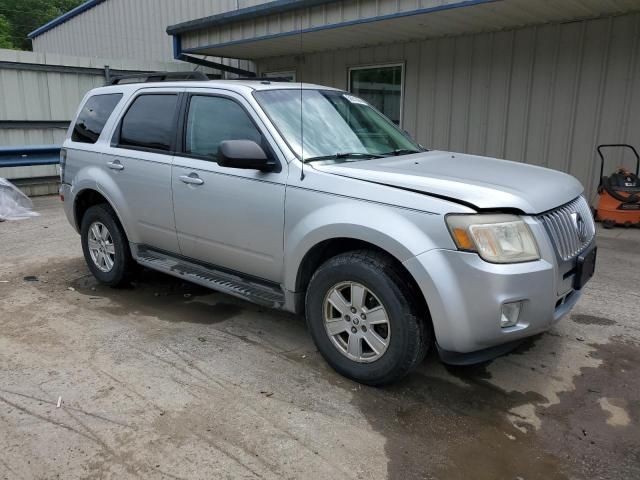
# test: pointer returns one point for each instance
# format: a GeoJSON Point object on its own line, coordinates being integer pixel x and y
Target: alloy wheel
{"type": "Point", "coordinates": [356, 322]}
{"type": "Point", "coordinates": [101, 247]}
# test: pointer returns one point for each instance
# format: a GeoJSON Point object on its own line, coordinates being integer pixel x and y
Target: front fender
{"type": "Point", "coordinates": [403, 233]}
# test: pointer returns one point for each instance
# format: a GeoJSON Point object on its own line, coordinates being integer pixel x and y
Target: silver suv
{"type": "Point", "coordinates": [307, 199]}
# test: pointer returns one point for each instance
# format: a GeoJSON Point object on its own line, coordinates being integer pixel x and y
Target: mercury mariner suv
{"type": "Point", "coordinates": [307, 199]}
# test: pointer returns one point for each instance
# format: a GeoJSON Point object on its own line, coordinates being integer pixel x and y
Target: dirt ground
{"type": "Point", "coordinates": [169, 380]}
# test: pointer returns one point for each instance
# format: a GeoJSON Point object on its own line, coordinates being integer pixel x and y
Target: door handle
{"type": "Point", "coordinates": [192, 179]}
{"type": "Point", "coordinates": [115, 165]}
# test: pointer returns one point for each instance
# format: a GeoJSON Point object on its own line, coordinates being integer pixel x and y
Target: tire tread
{"type": "Point", "coordinates": [419, 324]}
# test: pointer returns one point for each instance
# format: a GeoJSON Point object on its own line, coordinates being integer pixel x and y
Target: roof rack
{"type": "Point", "coordinates": [158, 77]}
{"type": "Point", "coordinates": [264, 79]}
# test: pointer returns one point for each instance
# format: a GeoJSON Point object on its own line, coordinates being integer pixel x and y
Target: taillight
{"type": "Point", "coordinates": [63, 162]}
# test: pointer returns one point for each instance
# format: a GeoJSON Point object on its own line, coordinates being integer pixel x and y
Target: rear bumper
{"type": "Point", "coordinates": [465, 295]}
{"type": "Point", "coordinates": [67, 192]}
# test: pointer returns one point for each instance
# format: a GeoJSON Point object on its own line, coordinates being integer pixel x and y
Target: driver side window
{"type": "Point", "coordinates": [212, 120]}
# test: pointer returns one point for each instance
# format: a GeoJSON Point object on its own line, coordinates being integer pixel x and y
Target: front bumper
{"type": "Point", "coordinates": [465, 295]}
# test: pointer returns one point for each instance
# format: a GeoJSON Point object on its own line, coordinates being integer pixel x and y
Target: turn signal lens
{"type": "Point", "coordinates": [463, 240]}
{"type": "Point", "coordinates": [497, 238]}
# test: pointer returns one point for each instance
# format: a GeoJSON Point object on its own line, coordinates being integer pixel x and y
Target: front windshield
{"type": "Point", "coordinates": [334, 124]}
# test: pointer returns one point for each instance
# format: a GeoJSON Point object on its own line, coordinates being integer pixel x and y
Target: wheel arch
{"type": "Point", "coordinates": [87, 198]}
{"type": "Point", "coordinates": [331, 247]}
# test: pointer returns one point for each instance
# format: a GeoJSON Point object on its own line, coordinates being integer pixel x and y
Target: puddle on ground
{"type": "Point", "coordinates": [600, 442]}
{"type": "Point", "coordinates": [169, 299]}
{"type": "Point", "coordinates": [162, 296]}
{"type": "Point", "coordinates": [436, 428]}
{"type": "Point", "coordinates": [453, 423]}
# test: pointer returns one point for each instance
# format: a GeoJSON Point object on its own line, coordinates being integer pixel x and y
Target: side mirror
{"type": "Point", "coordinates": [245, 154]}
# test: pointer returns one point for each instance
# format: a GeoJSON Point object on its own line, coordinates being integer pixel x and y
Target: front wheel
{"type": "Point", "coordinates": [364, 318]}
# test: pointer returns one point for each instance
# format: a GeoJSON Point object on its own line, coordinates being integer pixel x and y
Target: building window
{"type": "Point", "coordinates": [381, 86]}
{"type": "Point", "coordinates": [289, 75]}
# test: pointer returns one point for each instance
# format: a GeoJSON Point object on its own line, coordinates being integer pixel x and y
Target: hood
{"type": "Point", "coordinates": [485, 183]}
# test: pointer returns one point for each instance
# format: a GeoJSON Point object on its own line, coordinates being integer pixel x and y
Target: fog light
{"type": "Point", "coordinates": [510, 314]}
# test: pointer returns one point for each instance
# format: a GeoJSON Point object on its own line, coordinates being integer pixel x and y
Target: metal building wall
{"type": "Point", "coordinates": [40, 93]}
{"type": "Point", "coordinates": [545, 95]}
{"type": "Point", "coordinates": [32, 98]}
{"type": "Point", "coordinates": [130, 28]}
{"type": "Point", "coordinates": [44, 88]}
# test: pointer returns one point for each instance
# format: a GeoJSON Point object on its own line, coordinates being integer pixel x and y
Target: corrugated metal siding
{"type": "Point", "coordinates": [35, 171]}
{"type": "Point", "coordinates": [29, 95]}
{"type": "Point", "coordinates": [41, 95]}
{"type": "Point", "coordinates": [131, 29]}
{"type": "Point", "coordinates": [31, 136]}
{"type": "Point", "coordinates": [544, 95]}
{"type": "Point", "coordinates": [51, 95]}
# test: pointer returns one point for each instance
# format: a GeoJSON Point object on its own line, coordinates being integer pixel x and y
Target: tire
{"type": "Point", "coordinates": [407, 332]}
{"type": "Point", "coordinates": [118, 270]}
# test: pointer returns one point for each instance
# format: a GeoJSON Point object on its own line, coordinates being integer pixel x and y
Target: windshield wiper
{"type": "Point", "coordinates": [401, 151]}
{"type": "Point", "coordinates": [338, 156]}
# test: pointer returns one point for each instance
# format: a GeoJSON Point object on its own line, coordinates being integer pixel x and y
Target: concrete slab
{"type": "Point", "coordinates": [169, 380]}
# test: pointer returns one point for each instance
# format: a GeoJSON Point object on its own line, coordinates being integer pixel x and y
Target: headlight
{"type": "Point", "coordinates": [498, 238]}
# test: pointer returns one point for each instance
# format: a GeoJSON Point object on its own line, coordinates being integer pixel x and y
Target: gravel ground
{"type": "Point", "coordinates": [169, 380]}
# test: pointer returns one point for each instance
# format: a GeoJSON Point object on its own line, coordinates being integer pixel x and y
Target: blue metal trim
{"type": "Point", "coordinates": [360, 21]}
{"type": "Point", "coordinates": [275, 6]}
{"type": "Point", "coordinates": [64, 17]}
{"type": "Point", "coordinates": [177, 47]}
{"type": "Point", "coordinates": [179, 55]}
{"type": "Point", "coordinates": [28, 155]}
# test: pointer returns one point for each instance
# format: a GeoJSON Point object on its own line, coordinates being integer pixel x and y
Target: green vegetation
{"type": "Point", "coordinates": [19, 17]}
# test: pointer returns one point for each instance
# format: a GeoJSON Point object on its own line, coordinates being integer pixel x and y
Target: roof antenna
{"type": "Point", "coordinates": [301, 135]}
{"type": "Point", "coordinates": [300, 62]}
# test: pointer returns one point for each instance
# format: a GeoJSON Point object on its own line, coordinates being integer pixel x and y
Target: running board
{"type": "Point", "coordinates": [226, 282]}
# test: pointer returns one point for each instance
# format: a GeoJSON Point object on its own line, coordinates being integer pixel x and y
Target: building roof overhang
{"type": "Point", "coordinates": [287, 27]}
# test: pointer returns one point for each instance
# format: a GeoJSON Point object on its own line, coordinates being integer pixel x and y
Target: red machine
{"type": "Point", "coordinates": [619, 202]}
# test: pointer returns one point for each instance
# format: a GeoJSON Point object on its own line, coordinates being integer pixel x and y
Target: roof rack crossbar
{"type": "Point", "coordinates": [158, 77]}
{"type": "Point", "coordinates": [264, 79]}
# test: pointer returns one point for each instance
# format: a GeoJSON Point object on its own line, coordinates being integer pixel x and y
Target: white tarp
{"type": "Point", "coordinates": [14, 205]}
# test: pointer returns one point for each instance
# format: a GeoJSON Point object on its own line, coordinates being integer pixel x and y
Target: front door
{"type": "Point", "coordinates": [227, 217]}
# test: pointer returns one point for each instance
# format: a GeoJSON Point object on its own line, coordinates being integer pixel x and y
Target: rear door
{"type": "Point", "coordinates": [140, 163]}
{"type": "Point", "coordinates": [227, 217]}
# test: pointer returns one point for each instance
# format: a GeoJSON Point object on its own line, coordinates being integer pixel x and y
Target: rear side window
{"type": "Point", "coordinates": [149, 122]}
{"type": "Point", "coordinates": [93, 116]}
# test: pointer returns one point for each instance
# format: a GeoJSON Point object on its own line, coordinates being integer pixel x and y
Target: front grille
{"type": "Point", "coordinates": [571, 227]}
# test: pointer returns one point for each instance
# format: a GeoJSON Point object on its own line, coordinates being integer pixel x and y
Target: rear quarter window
{"type": "Point", "coordinates": [93, 117]}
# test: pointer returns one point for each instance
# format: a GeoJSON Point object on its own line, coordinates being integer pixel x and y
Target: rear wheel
{"type": "Point", "coordinates": [364, 318]}
{"type": "Point", "coordinates": [105, 246]}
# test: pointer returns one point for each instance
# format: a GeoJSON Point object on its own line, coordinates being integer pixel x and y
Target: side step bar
{"type": "Point", "coordinates": [226, 282]}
